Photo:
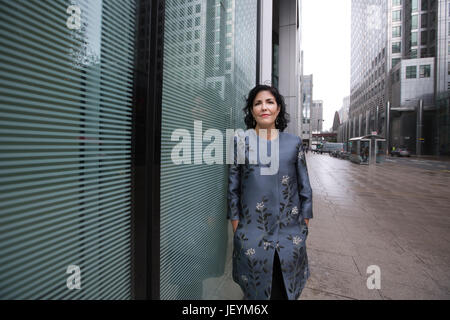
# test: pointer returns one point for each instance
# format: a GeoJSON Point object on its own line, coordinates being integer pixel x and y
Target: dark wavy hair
{"type": "Point", "coordinates": [283, 116]}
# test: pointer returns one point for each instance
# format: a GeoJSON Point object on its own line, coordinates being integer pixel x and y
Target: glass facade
{"type": "Point", "coordinates": [396, 47]}
{"type": "Point", "coordinates": [411, 72]}
{"type": "Point", "coordinates": [443, 105]}
{"type": "Point", "coordinates": [66, 82]}
{"type": "Point", "coordinates": [195, 244]}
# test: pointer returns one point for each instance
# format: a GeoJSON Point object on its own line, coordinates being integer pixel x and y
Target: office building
{"type": "Point", "coordinates": [317, 116]}
{"type": "Point", "coordinates": [307, 102]}
{"type": "Point", "coordinates": [399, 67]}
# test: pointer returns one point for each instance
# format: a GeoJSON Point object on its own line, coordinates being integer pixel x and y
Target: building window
{"type": "Point", "coordinates": [414, 38]}
{"type": "Point", "coordinates": [414, 5]}
{"type": "Point", "coordinates": [448, 68]}
{"type": "Point", "coordinates": [413, 53]}
{"type": "Point", "coordinates": [423, 37]}
{"type": "Point", "coordinates": [411, 72]}
{"type": "Point", "coordinates": [423, 52]}
{"type": "Point", "coordinates": [414, 21]}
{"type": "Point", "coordinates": [198, 8]}
{"type": "Point", "coordinates": [396, 3]}
{"type": "Point", "coordinates": [395, 61]}
{"type": "Point", "coordinates": [197, 21]}
{"type": "Point", "coordinates": [397, 75]}
{"type": "Point", "coordinates": [424, 5]}
{"type": "Point", "coordinates": [396, 47]}
{"type": "Point", "coordinates": [423, 20]}
{"type": "Point", "coordinates": [397, 15]}
{"type": "Point", "coordinates": [396, 31]}
{"type": "Point", "coordinates": [425, 71]}
{"type": "Point", "coordinates": [432, 35]}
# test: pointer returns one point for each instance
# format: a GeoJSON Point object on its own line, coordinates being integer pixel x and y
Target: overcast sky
{"type": "Point", "coordinates": [326, 52]}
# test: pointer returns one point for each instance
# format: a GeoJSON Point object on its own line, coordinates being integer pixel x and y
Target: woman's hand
{"type": "Point", "coordinates": [307, 221]}
{"type": "Point", "coordinates": [234, 223]}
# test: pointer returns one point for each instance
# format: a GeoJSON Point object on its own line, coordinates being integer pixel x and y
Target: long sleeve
{"type": "Point", "coordinates": [305, 191]}
{"type": "Point", "coordinates": [234, 187]}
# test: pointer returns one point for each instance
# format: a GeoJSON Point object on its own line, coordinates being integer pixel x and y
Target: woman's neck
{"type": "Point", "coordinates": [268, 131]}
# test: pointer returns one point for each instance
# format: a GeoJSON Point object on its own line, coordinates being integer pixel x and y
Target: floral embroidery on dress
{"type": "Point", "coordinates": [294, 211]}
{"type": "Point", "coordinates": [259, 206]}
{"type": "Point", "coordinates": [250, 252]}
{"type": "Point", "coordinates": [285, 180]}
{"type": "Point", "coordinates": [296, 240]}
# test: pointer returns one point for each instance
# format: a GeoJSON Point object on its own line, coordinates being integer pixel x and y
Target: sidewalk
{"type": "Point", "coordinates": [434, 158]}
{"type": "Point", "coordinates": [392, 216]}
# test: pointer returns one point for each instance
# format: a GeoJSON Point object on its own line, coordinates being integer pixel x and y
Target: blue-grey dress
{"type": "Point", "coordinates": [271, 211]}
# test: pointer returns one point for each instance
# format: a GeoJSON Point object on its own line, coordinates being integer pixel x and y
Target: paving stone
{"type": "Point", "coordinates": [341, 283]}
{"type": "Point", "coordinates": [314, 294]}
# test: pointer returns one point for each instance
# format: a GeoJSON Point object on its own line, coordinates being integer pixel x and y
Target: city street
{"type": "Point", "coordinates": [394, 215]}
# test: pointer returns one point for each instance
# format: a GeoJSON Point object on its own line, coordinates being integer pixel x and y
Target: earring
{"type": "Point", "coordinates": [277, 122]}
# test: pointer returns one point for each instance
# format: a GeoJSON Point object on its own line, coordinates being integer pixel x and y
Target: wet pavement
{"type": "Point", "coordinates": [394, 215]}
{"type": "Point", "coordinates": [422, 163]}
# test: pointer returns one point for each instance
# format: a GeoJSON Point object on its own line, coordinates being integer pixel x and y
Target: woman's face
{"type": "Point", "coordinates": [265, 109]}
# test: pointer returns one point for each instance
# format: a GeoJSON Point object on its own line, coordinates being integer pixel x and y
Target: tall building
{"type": "Point", "coordinates": [307, 102]}
{"type": "Point", "coordinates": [316, 116]}
{"type": "Point", "coordinates": [399, 66]}
{"type": "Point", "coordinates": [286, 30]}
{"type": "Point", "coordinates": [342, 132]}
{"type": "Point", "coordinates": [370, 61]}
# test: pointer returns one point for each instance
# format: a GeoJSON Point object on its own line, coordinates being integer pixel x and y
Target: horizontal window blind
{"type": "Point", "coordinates": [65, 148]}
{"type": "Point", "coordinates": [209, 65]}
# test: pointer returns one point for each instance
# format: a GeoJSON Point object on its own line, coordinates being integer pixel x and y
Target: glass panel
{"type": "Point", "coordinates": [425, 71]}
{"type": "Point", "coordinates": [380, 151]}
{"type": "Point", "coordinates": [396, 47]}
{"type": "Point", "coordinates": [396, 31]}
{"type": "Point", "coordinates": [414, 5]}
{"type": "Point", "coordinates": [397, 15]}
{"type": "Point", "coordinates": [364, 151]}
{"type": "Point", "coordinates": [414, 38]}
{"type": "Point", "coordinates": [411, 72]}
{"type": "Point", "coordinates": [414, 21]}
{"type": "Point", "coordinates": [195, 251]}
{"type": "Point", "coordinates": [65, 141]}
{"type": "Point", "coordinates": [395, 61]}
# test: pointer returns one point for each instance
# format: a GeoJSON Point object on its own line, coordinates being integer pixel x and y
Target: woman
{"type": "Point", "coordinates": [270, 213]}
